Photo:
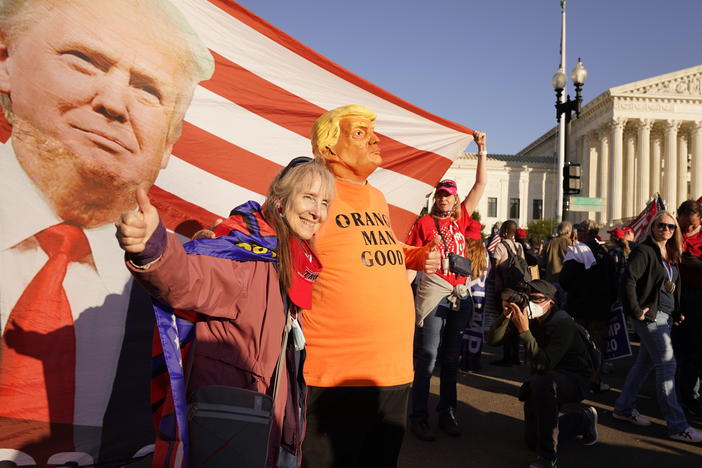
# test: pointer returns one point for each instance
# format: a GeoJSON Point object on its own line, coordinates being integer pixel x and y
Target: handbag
{"type": "Point", "coordinates": [458, 264]}
{"type": "Point", "coordinates": [230, 425]}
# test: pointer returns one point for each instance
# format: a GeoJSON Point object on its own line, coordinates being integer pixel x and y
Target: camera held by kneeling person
{"type": "Point", "coordinates": [560, 357]}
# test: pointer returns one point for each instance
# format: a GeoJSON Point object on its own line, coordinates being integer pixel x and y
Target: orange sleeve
{"type": "Point", "coordinates": [415, 256]}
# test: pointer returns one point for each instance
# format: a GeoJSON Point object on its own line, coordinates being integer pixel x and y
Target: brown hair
{"type": "Point", "coordinates": [475, 252]}
{"type": "Point", "coordinates": [673, 245]}
{"type": "Point", "coordinates": [624, 244]}
{"type": "Point", "coordinates": [508, 229]}
{"type": "Point", "coordinates": [284, 188]}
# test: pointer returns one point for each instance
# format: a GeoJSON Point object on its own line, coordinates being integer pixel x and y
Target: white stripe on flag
{"type": "Point", "coordinates": [197, 186]}
{"type": "Point", "coordinates": [400, 190]}
{"type": "Point", "coordinates": [282, 67]}
{"type": "Point", "coordinates": [231, 122]}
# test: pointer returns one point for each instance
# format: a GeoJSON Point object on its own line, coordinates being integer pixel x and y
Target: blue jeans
{"type": "Point", "coordinates": [439, 339]}
{"type": "Point", "coordinates": [655, 352]}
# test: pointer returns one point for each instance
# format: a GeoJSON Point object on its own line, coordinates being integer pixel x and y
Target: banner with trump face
{"type": "Point", "coordinates": [200, 99]}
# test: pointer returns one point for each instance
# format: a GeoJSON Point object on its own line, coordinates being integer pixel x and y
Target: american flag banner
{"type": "Point", "coordinates": [641, 222]}
{"type": "Point", "coordinates": [74, 383]}
{"type": "Point", "coordinates": [494, 242]}
{"type": "Point", "coordinates": [256, 113]}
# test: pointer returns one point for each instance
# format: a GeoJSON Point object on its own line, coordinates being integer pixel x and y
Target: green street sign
{"type": "Point", "coordinates": [587, 204]}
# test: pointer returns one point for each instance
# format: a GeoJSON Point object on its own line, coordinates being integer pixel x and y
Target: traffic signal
{"type": "Point", "coordinates": [571, 178]}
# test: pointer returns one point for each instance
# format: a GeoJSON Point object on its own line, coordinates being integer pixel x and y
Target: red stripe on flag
{"type": "Point", "coordinates": [179, 215]}
{"type": "Point", "coordinates": [225, 160]}
{"type": "Point", "coordinates": [402, 220]}
{"type": "Point", "coordinates": [275, 34]}
{"type": "Point", "coordinates": [261, 97]}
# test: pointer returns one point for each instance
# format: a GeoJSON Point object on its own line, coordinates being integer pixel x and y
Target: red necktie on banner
{"type": "Point", "coordinates": [38, 360]}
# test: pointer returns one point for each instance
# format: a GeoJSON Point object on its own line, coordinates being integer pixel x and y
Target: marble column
{"type": "Point", "coordinates": [591, 176]}
{"type": "Point", "coordinates": [523, 197]}
{"type": "Point", "coordinates": [696, 162]}
{"type": "Point", "coordinates": [682, 169]}
{"type": "Point", "coordinates": [656, 166]}
{"type": "Point", "coordinates": [616, 144]}
{"type": "Point", "coordinates": [643, 191]}
{"type": "Point", "coordinates": [670, 164]}
{"type": "Point", "coordinates": [602, 169]}
{"type": "Point", "coordinates": [629, 170]}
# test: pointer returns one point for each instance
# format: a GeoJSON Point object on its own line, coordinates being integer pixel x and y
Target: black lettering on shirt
{"type": "Point", "coordinates": [343, 221]}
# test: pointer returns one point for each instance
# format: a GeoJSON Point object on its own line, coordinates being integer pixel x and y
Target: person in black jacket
{"type": "Point", "coordinates": [589, 278]}
{"type": "Point", "coordinates": [651, 297]}
{"type": "Point", "coordinates": [560, 371]}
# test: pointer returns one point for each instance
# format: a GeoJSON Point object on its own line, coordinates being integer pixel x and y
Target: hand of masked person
{"type": "Point", "coordinates": [135, 228]}
{"type": "Point", "coordinates": [519, 317]}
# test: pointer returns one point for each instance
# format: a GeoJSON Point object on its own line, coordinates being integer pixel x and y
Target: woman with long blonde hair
{"type": "Point", "coordinates": [651, 297]}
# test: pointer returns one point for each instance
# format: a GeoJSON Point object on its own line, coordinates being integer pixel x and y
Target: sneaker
{"type": "Point", "coordinates": [448, 423]}
{"type": "Point", "coordinates": [692, 406]}
{"type": "Point", "coordinates": [422, 430]}
{"type": "Point", "coordinates": [590, 435]}
{"type": "Point", "coordinates": [688, 435]}
{"type": "Point", "coordinates": [543, 462]}
{"type": "Point", "coordinates": [634, 418]}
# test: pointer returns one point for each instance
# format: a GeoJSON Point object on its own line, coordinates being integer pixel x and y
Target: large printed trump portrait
{"type": "Point", "coordinates": [94, 93]}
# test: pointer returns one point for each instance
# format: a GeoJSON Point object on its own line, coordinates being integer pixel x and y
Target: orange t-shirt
{"type": "Point", "coordinates": [360, 329]}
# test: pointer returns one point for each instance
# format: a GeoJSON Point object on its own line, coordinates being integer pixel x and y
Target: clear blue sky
{"type": "Point", "coordinates": [488, 64]}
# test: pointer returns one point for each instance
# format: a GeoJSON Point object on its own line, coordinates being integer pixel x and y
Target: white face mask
{"type": "Point", "coordinates": [535, 310]}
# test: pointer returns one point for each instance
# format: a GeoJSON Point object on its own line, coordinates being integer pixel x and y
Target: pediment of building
{"type": "Point", "coordinates": [682, 84]}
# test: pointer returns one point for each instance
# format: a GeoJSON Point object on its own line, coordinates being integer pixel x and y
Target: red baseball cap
{"type": "Point", "coordinates": [473, 230]}
{"type": "Point", "coordinates": [520, 234]}
{"type": "Point", "coordinates": [617, 233]}
{"type": "Point", "coordinates": [448, 186]}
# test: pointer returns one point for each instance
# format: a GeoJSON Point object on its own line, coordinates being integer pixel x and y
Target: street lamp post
{"type": "Point", "coordinates": [564, 110]}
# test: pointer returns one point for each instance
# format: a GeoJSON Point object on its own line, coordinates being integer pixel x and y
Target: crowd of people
{"type": "Point", "coordinates": [301, 330]}
{"type": "Point", "coordinates": [355, 363]}
{"type": "Point", "coordinates": [656, 282]}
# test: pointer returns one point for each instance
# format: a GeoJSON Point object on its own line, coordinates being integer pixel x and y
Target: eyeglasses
{"type": "Point", "coordinates": [671, 227]}
{"type": "Point", "coordinates": [538, 299]}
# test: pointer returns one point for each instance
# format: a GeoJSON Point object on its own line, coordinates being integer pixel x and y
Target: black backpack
{"type": "Point", "coordinates": [593, 352]}
{"type": "Point", "coordinates": [515, 271]}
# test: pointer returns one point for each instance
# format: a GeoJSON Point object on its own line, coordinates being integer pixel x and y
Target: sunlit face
{"type": "Point", "coordinates": [99, 78]}
{"type": "Point", "coordinates": [307, 209]}
{"type": "Point", "coordinates": [357, 148]}
{"type": "Point", "coordinates": [689, 223]}
{"type": "Point", "coordinates": [444, 201]}
{"type": "Point", "coordinates": [663, 228]}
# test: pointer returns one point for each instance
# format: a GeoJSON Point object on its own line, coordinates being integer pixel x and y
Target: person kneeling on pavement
{"type": "Point", "coordinates": [560, 369]}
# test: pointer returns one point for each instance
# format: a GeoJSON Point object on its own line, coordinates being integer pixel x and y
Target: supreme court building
{"type": "Point", "coordinates": [632, 141]}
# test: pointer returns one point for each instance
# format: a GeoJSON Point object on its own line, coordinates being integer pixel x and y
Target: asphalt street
{"type": "Point", "coordinates": [492, 421]}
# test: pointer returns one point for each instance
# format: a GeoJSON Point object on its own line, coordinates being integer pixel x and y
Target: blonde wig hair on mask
{"type": "Point", "coordinates": [326, 129]}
